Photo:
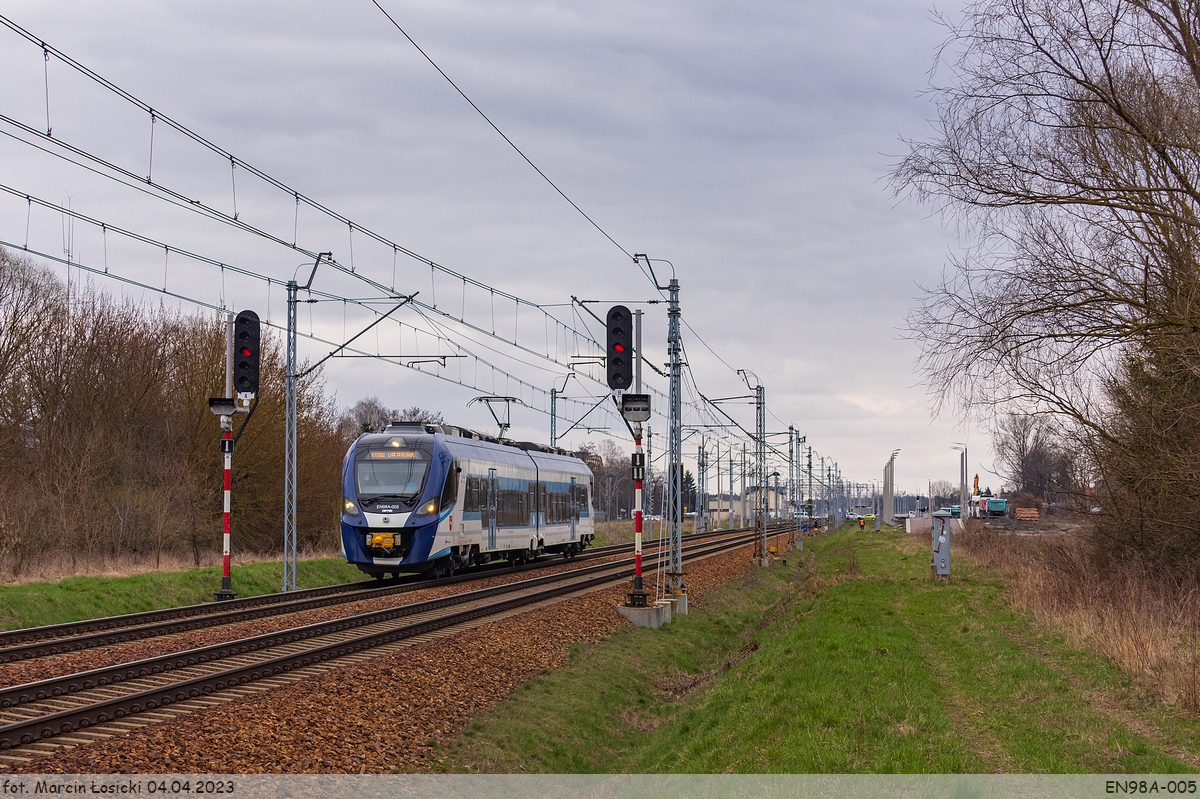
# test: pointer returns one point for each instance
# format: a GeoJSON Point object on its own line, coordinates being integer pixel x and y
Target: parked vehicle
{"type": "Point", "coordinates": [994, 507]}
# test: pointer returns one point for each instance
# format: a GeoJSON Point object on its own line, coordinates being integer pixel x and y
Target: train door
{"type": "Point", "coordinates": [574, 510]}
{"type": "Point", "coordinates": [492, 496]}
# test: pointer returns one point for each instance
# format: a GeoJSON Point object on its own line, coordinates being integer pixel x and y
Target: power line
{"type": "Point", "coordinates": [199, 258]}
{"type": "Point", "coordinates": [180, 200]}
{"type": "Point", "coordinates": [196, 206]}
{"type": "Point", "coordinates": [439, 334]}
{"type": "Point", "coordinates": [147, 186]}
{"type": "Point", "coordinates": [213, 213]}
{"type": "Point", "coordinates": [504, 136]}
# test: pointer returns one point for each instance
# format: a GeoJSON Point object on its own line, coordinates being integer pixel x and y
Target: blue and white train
{"type": "Point", "coordinates": [420, 497]}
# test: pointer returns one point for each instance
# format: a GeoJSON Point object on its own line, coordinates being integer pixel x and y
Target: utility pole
{"type": "Point", "coordinates": [760, 401]}
{"type": "Point", "coordinates": [608, 513]}
{"type": "Point", "coordinates": [290, 487]}
{"type": "Point", "coordinates": [962, 481]}
{"type": "Point", "coordinates": [762, 508]}
{"type": "Point", "coordinates": [824, 490]}
{"type": "Point", "coordinates": [889, 488]}
{"type": "Point", "coordinates": [840, 496]}
{"type": "Point", "coordinates": [729, 456]}
{"type": "Point", "coordinates": [553, 416]}
{"type": "Point", "coordinates": [675, 584]}
{"type": "Point", "coordinates": [289, 444]}
{"type": "Point", "coordinates": [742, 494]}
{"type": "Point", "coordinates": [801, 441]}
{"type": "Point", "coordinates": [702, 489]}
{"type": "Point", "coordinates": [791, 484]}
{"type": "Point", "coordinates": [833, 492]}
{"type": "Point", "coordinates": [720, 496]}
{"type": "Point", "coordinates": [810, 487]}
{"type": "Point", "coordinates": [649, 471]}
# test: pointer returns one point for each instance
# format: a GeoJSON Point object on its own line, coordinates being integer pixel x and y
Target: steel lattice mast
{"type": "Point", "coordinates": [791, 485]}
{"type": "Point", "coordinates": [291, 377]}
{"type": "Point", "coordinates": [760, 445]}
{"type": "Point", "coordinates": [675, 583]}
{"type": "Point", "coordinates": [289, 448]}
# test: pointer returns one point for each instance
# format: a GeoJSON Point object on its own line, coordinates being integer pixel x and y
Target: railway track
{"type": "Point", "coordinates": [78, 708]}
{"type": "Point", "coordinates": [57, 639]}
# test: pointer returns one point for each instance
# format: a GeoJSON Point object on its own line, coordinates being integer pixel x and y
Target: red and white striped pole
{"type": "Point", "coordinates": [638, 597]}
{"type": "Point", "coordinates": [225, 579]}
{"type": "Point", "coordinates": [226, 591]}
{"type": "Point", "coordinates": [637, 519]}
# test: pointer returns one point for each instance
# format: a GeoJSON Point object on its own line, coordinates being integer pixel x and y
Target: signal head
{"type": "Point", "coordinates": [247, 355]}
{"type": "Point", "coordinates": [619, 364]}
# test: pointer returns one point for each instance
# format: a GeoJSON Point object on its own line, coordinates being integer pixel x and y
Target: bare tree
{"type": "Point", "coordinates": [943, 493]}
{"type": "Point", "coordinates": [1068, 149]}
{"type": "Point", "coordinates": [612, 496]}
{"type": "Point", "coordinates": [370, 415]}
{"type": "Point", "coordinates": [1068, 152]}
{"type": "Point", "coordinates": [418, 414]}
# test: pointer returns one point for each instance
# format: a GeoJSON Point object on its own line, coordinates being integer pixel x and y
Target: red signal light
{"type": "Point", "coordinates": [618, 347]}
{"type": "Point", "coordinates": [245, 351]}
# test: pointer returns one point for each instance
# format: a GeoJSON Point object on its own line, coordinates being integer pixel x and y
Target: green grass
{"type": "Point", "coordinates": [75, 598]}
{"type": "Point", "coordinates": [854, 661]}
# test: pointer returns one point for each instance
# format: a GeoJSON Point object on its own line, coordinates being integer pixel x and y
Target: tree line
{"type": "Point", "coordinates": [108, 449]}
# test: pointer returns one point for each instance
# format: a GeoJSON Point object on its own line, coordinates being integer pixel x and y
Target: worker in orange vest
{"type": "Point", "coordinates": [862, 524]}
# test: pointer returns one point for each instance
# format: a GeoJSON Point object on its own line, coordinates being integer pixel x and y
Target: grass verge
{"type": "Point", "coordinates": [849, 661]}
{"type": "Point", "coordinates": [76, 598]}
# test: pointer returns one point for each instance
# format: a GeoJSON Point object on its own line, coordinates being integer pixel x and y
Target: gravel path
{"type": "Point", "coordinates": [385, 715]}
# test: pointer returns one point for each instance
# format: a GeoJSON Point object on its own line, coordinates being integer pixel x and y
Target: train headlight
{"type": "Point", "coordinates": [349, 508]}
{"type": "Point", "coordinates": [430, 507]}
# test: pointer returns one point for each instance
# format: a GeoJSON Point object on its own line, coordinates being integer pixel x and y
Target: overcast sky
{"type": "Point", "coordinates": [747, 144]}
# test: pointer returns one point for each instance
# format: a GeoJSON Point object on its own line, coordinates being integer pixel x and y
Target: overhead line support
{"type": "Point", "coordinates": [290, 486]}
{"type": "Point", "coordinates": [675, 583]}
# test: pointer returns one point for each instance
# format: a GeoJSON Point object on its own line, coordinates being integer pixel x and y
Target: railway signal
{"type": "Point", "coordinates": [635, 408]}
{"type": "Point", "coordinates": [241, 372]}
{"type": "Point", "coordinates": [620, 348]}
{"type": "Point", "coordinates": [246, 352]}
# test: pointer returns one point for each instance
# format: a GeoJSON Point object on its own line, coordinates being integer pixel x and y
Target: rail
{"type": "Point", "coordinates": [493, 601]}
{"type": "Point", "coordinates": [68, 637]}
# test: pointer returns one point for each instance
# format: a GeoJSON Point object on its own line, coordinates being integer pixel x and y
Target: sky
{"type": "Point", "coordinates": [748, 145]}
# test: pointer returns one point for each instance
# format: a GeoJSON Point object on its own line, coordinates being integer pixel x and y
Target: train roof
{"type": "Point", "coordinates": [472, 435]}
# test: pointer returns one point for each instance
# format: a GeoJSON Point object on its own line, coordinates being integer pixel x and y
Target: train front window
{"type": "Point", "coordinates": [390, 478]}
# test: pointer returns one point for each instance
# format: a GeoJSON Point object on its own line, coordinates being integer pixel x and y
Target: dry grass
{"type": "Point", "coordinates": [56, 567]}
{"type": "Point", "coordinates": [1145, 622]}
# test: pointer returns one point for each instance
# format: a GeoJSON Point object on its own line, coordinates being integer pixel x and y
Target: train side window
{"type": "Point", "coordinates": [450, 490]}
{"type": "Point", "coordinates": [508, 507]}
{"type": "Point", "coordinates": [472, 502]}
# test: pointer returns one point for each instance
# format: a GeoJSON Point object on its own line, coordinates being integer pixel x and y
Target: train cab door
{"type": "Point", "coordinates": [492, 497]}
{"type": "Point", "coordinates": [574, 511]}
